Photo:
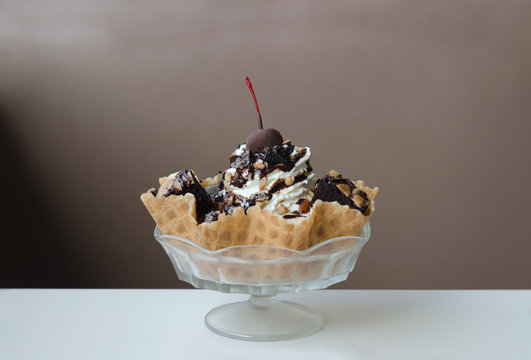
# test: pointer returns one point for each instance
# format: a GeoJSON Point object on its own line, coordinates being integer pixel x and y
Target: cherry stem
{"type": "Point", "coordinates": [250, 86]}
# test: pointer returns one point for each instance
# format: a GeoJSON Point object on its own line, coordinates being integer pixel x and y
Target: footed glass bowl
{"type": "Point", "coordinates": [263, 272]}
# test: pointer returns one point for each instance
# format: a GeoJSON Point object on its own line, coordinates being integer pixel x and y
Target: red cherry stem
{"type": "Point", "coordinates": [250, 86]}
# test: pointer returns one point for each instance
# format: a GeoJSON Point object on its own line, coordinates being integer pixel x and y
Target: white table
{"type": "Point", "coordinates": [360, 324]}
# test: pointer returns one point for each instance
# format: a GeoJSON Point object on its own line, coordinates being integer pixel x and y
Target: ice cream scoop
{"type": "Point", "coordinates": [333, 187]}
{"type": "Point", "coordinates": [182, 183]}
{"type": "Point", "coordinates": [277, 178]}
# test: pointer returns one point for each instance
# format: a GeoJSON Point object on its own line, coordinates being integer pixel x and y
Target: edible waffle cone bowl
{"type": "Point", "coordinates": [175, 215]}
{"type": "Point", "coordinates": [262, 255]}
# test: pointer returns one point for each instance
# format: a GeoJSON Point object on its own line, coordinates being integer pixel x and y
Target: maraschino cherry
{"type": "Point", "coordinates": [261, 138]}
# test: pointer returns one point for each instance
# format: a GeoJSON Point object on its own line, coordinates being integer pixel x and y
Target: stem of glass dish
{"type": "Point", "coordinates": [263, 300]}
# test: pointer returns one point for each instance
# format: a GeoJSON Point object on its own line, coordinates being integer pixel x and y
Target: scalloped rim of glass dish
{"type": "Point", "coordinates": [262, 289]}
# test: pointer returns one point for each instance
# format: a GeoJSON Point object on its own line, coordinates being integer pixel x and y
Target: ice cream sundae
{"type": "Point", "coordinates": [269, 195]}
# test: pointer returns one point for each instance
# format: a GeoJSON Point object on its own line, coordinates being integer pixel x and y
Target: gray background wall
{"type": "Point", "coordinates": [429, 100]}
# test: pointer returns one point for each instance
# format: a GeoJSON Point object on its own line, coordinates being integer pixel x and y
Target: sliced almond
{"type": "Point", "coordinates": [228, 176]}
{"type": "Point", "coordinates": [227, 180]}
{"type": "Point", "coordinates": [304, 206]}
{"type": "Point", "coordinates": [259, 165]}
{"type": "Point", "coordinates": [281, 209]}
{"type": "Point", "coordinates": [333, 173]}
{"type": "Point", "coordinates": [177, 185]}
{"type": "Point", "coordinates": [289, 180]}
{"type": "Point", "coordinates": [165, 188]}
{"type": "Point", "coordinates": [345, 189]}
{"type": "Point", "coordinates": [263, 183]}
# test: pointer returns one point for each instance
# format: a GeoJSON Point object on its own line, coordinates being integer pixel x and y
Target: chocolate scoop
{"type": "Point", "coordinates": [185, 181]}
{"type": "Point", "coordinates": [333, 187]}
{"type": "Point", "coordinates": [263, 138]}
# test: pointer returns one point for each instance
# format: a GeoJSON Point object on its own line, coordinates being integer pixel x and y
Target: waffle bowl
{"type": "Point", "coordinates": [263, 271]}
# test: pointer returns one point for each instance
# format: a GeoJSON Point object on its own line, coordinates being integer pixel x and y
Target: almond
{"type": "Point", "coordinates": [259, 165]}
{"type": "Point", "coordinates": [165, 188]}
{"type": "Point", "coordinates": [333, 173]}
{"type": "Point", "coordinates": [177, 185]}
{"type": "Point", "coordinates": [290, 180]}
{"type": "Point", "coordinates": [304, 206]}
{"type": "Point", "coordinates": [228, 176]}
{"type": "Point", "coordinates": [345, 189]}
{"type": "Point", "coordinates": [359, 183]}
{"type": "Point", "coordinates": [228, 179]}
{"type": "Point", "coordinates": [263, 183]}
{"type": "Point", "coordinates": [281, 209]}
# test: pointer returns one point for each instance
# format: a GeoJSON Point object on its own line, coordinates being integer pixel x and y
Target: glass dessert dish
{"type": "Point", "coordinates": [263, 272]}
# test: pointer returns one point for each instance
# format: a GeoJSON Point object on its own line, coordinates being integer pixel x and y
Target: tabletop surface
{"type": "Point", "coordinates": [359, 324]}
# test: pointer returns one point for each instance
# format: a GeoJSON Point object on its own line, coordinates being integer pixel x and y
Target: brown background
{"type": "Point", "coordinates": [429, 100]}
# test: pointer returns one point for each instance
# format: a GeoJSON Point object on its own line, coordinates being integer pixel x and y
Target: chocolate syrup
{"type": "Point", "coordinates": [293, 215]}
{"type": "Point", "coordinates": [239, 178]}
{"type": "Point", "coordinates": [281, 184]}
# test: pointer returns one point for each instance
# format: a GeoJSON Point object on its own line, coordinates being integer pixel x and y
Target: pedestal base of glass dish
{"type": "Point", "coordinates": [263, 318]}
{"type": "Point", "coordinates": [264, 271]}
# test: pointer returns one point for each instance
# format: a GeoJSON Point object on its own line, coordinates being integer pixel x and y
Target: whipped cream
{"type": "Point", "coordinates": [301, 174]}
